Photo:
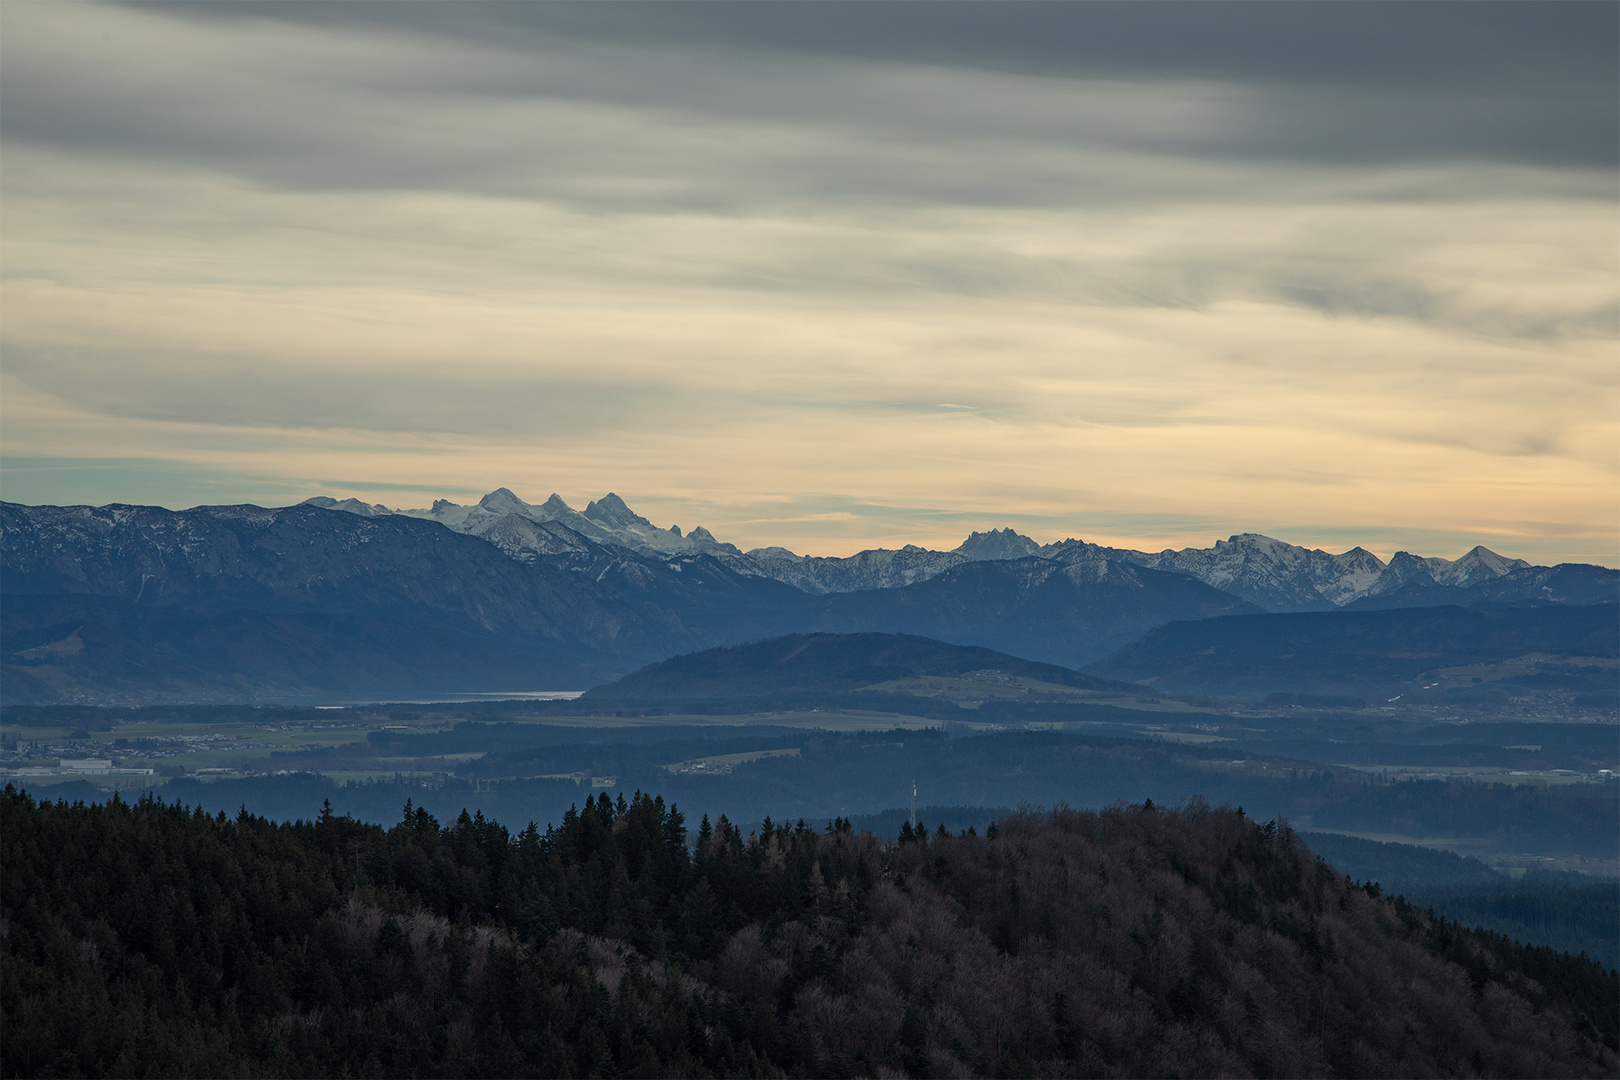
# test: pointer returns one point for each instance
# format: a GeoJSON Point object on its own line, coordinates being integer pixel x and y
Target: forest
{"type": "Point", "coordinates": [152, 938]}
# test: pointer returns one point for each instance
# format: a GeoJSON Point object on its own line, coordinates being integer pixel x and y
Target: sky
{"type": "Point", "coordinates": [830, 276]}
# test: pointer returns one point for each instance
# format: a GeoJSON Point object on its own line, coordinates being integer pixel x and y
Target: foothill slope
{"type": "Point", "coordinates": [829, 663]}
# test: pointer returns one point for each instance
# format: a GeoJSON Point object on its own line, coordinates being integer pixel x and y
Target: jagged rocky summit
{"type": "Point", "coordinates": [1272, 574]}
{"type": "Point", "coordinates": [606, 521]}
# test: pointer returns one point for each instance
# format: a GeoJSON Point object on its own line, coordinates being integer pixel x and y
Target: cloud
{"type": "Point", "coordinates": [647, 107]}
{"type": "Point", "coordinates": [1516, 81]}
{"type": "Point", "coordinates": [1216, 266]}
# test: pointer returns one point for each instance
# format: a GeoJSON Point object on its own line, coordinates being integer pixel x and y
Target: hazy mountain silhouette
{"type": "Point", "coordinates": [826, 662]}
{"type": "Point", "coordinates": [1432, 653]}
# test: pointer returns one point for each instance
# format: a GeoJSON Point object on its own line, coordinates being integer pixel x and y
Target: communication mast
{"type": "Point", "coordinates": [914, 804]}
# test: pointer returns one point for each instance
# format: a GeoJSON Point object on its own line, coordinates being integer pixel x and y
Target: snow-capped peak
{"type": "Point", "coordinates": [350, 506]}
{"type": "Point", "coordinates": [502, 501]}
{"type": "Point", "coordinates": [775, 553]}
{"type": "Point", "coordinates": [1479, 564]}
{"type": "Point", "coordinates": [554, 506]}
{"type": "Point", "coordinates": [611, 511]}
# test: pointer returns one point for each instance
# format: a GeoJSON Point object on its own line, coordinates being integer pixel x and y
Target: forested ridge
{"type": "Point", "coordinates": [151, 939]}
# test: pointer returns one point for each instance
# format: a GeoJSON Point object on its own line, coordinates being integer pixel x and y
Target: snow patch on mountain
{"type": "Point", "coordinates": [876, 568]}
{"type": "Point", "coordinates": [525, 539]}
{"type": "Point", "coordinates": [348, 506]}
{"type": "Point", "coordinates": [1478, 566]}
{"type": "Point", "coordinates": [1277, 575]}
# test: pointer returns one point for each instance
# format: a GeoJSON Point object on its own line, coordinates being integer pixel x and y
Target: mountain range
{"type": "Point", "coordinates": [338, 600]}
{"type": "Point", "coordinates": [1271, 574]}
